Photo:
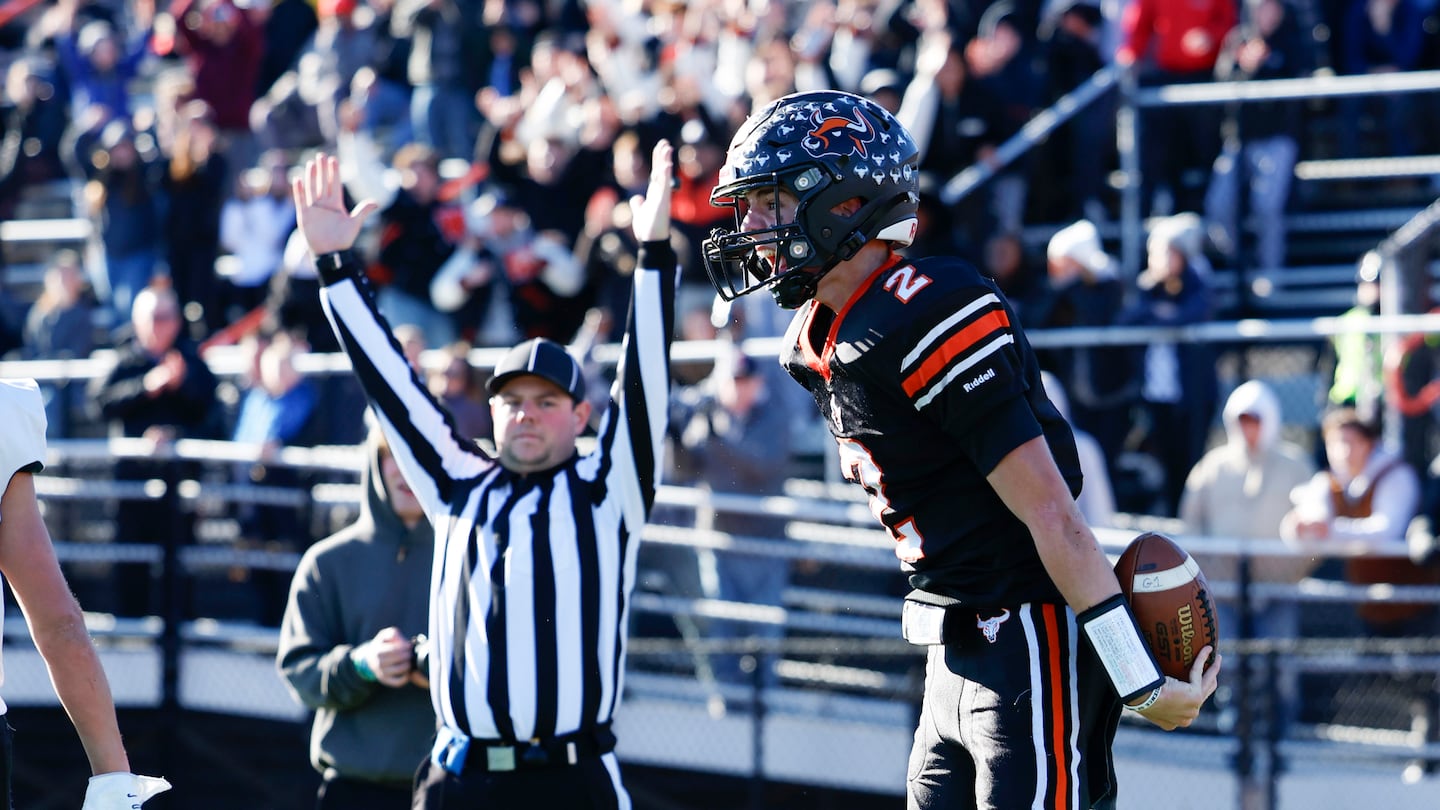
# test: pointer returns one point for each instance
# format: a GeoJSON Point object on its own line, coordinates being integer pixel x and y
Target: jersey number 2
{"type": "Point", "coordinates": [858, 466]}
{"type": "Point", "coordinates": [905, 283]}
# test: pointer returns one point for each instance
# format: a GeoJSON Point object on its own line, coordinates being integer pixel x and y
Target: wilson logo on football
{"type": "Point", "coordinates": [839, 136]}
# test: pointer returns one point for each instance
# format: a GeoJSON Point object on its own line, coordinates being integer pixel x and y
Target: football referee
{"type": "Point", "coordinates": [534, 549]}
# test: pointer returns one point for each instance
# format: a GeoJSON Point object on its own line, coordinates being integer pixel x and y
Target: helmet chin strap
{"type": "Point", "coordinates": [791, 290]}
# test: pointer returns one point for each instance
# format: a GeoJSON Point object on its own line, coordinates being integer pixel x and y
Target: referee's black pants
{"type": "Point", "coordinates": [592, 783]}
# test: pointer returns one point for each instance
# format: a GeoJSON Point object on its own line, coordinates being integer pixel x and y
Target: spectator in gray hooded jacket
{"type": "Point", "coordinates": [350, 642]}
{"type": "Point", "coordinates": [1241, 490]}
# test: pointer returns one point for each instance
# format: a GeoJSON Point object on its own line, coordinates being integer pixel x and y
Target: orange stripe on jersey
{"type": "Point", "coordinates": [953, 347]}
{"type": "Point", "coordinates": [1056, 674]}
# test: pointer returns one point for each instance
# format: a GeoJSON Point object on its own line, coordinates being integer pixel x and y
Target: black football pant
{"type": "Point", "coordinates": [1017, 714]}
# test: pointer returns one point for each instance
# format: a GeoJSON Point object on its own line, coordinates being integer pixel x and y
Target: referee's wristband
{"type": "Point", "coordinates": [336, 266]}
{"type": "Point", "coordinates": [1114, 634]}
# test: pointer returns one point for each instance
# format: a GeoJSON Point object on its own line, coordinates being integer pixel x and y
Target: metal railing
{"type": "Point", "coordinates": [1129, 136]}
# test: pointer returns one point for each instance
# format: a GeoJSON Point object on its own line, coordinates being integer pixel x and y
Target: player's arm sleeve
{"type": "Point", "coordinates": [313, 657]}
{"type": "Point", "coordinates": [422, 435]}
{"type": "Point", "coordinates": [632, 432]}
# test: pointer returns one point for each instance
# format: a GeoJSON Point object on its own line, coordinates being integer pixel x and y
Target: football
{"type": "Point", "coordinates": [1170, 599]}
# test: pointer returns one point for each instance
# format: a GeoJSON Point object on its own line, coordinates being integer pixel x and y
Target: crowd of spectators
{"type": "Point", "coordinates": [501, 139]}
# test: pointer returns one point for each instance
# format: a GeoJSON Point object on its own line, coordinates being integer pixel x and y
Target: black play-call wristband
{"type": "Point", "coordinates": [335, 266]}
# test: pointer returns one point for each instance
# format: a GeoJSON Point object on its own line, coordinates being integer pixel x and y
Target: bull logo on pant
{"type": "Point", "coordinates": [991, 626]}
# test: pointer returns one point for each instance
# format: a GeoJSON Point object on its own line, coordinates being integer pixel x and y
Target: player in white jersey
{"type": "Point", "coordinates": [28, 563]}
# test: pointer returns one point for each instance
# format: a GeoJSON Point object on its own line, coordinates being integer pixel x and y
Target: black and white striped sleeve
{"type": "Point", "coordinates": [632, 431]}
{"type": "Point", "coordinates": [420, 432]}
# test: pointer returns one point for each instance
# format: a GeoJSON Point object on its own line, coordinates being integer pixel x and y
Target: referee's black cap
{"type": "Point", "coordinates": [542, 358]}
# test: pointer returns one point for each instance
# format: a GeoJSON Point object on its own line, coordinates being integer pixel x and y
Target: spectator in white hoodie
{"type": "Point", "coordinates": [1241, 491]}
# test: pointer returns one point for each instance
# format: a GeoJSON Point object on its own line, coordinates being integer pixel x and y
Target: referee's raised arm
{"type": "Point", "coordinates": [641, 394]}
{"type": "Point", "coordinates": [421, 433]}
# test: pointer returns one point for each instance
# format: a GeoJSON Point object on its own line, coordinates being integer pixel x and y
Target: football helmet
{"type": "Point", "coordinates": [826, 148]}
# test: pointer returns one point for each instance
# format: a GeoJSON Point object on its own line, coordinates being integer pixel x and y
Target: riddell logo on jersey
{"type": "Point", "coordinates": [981, 380]}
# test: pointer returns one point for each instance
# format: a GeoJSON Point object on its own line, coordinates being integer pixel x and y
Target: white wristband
{"type": "Point", "coordinates": [1150, 701]}
{"type": "Point", "coordinates": [1128, 661]}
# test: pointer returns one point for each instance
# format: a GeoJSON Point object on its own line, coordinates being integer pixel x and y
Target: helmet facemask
{"type": "Point", "coordinates": [735, 259]}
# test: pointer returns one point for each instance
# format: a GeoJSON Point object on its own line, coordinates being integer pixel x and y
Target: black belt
{"type": "Point", "coordinates": [555, 752]}
{"type": "Point", "coordinates": [930, 618]}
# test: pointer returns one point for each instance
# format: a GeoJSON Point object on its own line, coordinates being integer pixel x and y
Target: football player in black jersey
{"type": "Point", "coordinates": [933, 394]}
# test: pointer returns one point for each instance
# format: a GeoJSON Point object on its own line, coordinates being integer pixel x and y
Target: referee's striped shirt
{"type": "Point", "coordinates": [532, 578]}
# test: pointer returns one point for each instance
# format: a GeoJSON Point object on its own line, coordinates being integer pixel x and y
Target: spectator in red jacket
{"type": "Point", "coordinates": [1176, 42]}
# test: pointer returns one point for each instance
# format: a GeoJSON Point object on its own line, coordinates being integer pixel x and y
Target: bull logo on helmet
{"type": "Point", "coordinates": [838, 135]}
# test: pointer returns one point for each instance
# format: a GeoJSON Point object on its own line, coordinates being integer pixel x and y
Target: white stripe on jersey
{"type": "Point", "coordinates": [569, 618]}
{"type": "Point", "coordinates": [960, 368]}
{"type": "Point", "coordinates": [944, 327]}
{"type": "Point", "coordinates": [476, 635]}
{"type": "Point", "coordinates": [518, 563]}
{"type": "Point", "coordinates": [610, 626]}
{"type": "Point", "coordinates": [654, 367]}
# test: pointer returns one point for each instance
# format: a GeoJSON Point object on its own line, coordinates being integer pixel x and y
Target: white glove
{"type": "Point", "coordinates": [121, 791]}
